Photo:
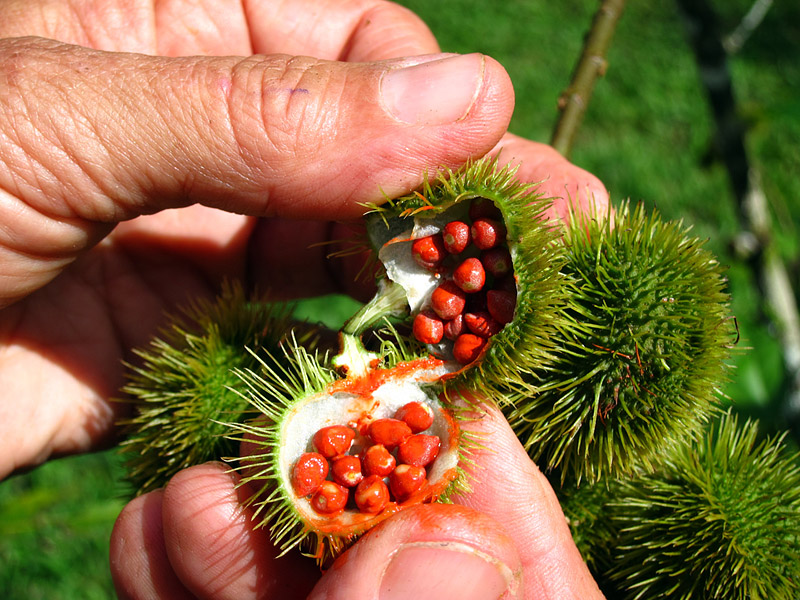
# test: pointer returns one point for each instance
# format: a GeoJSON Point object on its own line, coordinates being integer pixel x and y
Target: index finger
{"type": "Point", "coordinates": [351, 30]}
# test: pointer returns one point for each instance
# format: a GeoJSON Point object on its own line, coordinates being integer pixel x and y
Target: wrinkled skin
{"type": "Point", "coordinates": [132, 180]}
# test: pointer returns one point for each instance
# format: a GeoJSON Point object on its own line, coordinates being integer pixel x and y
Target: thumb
{"type": "Point", "coordinates": [510, 488]}
{"type": "Point", "coordinates": [436, 551]}
{"type": "Point", "coordinates": [90, 138]}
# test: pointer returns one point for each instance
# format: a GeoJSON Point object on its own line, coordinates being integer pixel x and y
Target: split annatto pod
{"type": "Point", "coordinates": [468, 294]}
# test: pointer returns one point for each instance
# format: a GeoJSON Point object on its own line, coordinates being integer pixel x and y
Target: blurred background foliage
{"type": "Point", "coordinates": [647, 134]}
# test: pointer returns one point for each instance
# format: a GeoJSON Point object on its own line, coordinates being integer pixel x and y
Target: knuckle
{"type": "Point", "coordinates": [289, 107]}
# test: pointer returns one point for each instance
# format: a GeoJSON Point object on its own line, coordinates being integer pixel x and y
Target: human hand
{"type": "Point", "coordinates": [159, 109]}
{"type": "Point", "coordinates": [507, 536]}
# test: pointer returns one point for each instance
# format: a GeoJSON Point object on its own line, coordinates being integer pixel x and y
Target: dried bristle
{"type": "Point", "coordinates": [640, 365]}
{"type": "Point", "coordinates": [277, 394]}
{"type": "Point", "coordinates": [720, 520]}
{"type": "Point", "coordinates": [525, 343]}
{"type": "Point", "coordinates": [180, 388]}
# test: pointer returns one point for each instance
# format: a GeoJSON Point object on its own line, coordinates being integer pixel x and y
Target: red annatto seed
{"type": "Point", "coordinates": [454, 327]}
{"type": "Point", "coordinates": [501, 305]}
{"type": "Point", "coordinates": [428, 328]}
{"type": "Point", "coordinates": [417, 415]}
{"type": "Point", "coordinates": [456, 237]}
{"type": "Point", "coordinates": [371, 495]}
{"type": "Point", "coordinates": [497, 261]}
{"type": "Point", "coordinates": [483, 208]}
{"type": "Point", "coordinates": [333, 440]}
{"type": "Point", "coordinates": [429, 251]}
{"type": "Point", "coordinates": [482, 324]}
{"type": "Point", "coordinates": [487, 233]}
{"type": "Point", "coordinates": [507, 284]}
{"type": "Point", "coordinates": [406, 480]}
{"type": "Point", "coordinates": [476, 302]}
{"type": "Point", "coordinates": [330, 498]}
{"type": "Point", "coordinates": [377, 460]}
{"type": "Point", "coordinates": [468, 347]}
{"type": "Point", "coordinates": [470, 275]}
{"type": "Point", "coordinates": [419, 450]}
{"type": "Point", "coordinates": [308, 473]}
{"type": "Point", "coordinates": [448, 300]}
{"type": "Point", "coordinates": [389, 432]}
{"type": "Point", "coordinates": [346, 470]}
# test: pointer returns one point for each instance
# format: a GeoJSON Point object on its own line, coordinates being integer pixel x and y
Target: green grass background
{"type": "Point", "coordinates": [646, 134]}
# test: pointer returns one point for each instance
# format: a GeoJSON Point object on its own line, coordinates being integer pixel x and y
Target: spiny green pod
{"type": "Point", "coordinates": [470, 261]}
{"type": "Point", "coordinates": [721, 519]}
{"type": "Point", "coordinates": [638, 366]}
{"type": "Point", "coordinates": [470, 246]}
{"type": "Point", "coordinates": [330, 457]}
{"type": "Point", "coordinates": [181, 388]}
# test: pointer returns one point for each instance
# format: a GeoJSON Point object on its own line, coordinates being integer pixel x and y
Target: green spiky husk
{"type": "Point", "coordinates": [722, 520]}
{"type": "Point", "coordinates": [525, 343]}
{"type": "Point", "coordinates": [180, 388]}
{"type": "Point", "coordinates": [273, 392]}
{"type": "Point", "coordinates": [638, 367]}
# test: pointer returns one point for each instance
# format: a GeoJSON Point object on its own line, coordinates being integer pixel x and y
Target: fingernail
{"type": "Point", "coordinates": [433, 93]}
{"type": "Point", "coordinates": [446, 571]}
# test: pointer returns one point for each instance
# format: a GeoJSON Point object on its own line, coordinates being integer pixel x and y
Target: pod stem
{"type": "Point", "coordinates": [353, 357]}
{"type": "Point", "coordinates": [390, 300]}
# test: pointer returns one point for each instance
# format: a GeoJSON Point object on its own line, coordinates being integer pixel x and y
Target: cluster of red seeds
{"type": "Point", "coordinates": [391, 465]}
{"type": "Point", "coordinates": [477, 296]}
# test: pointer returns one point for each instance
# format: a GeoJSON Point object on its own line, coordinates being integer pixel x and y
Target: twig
{"type": "Point", "coordinates": [737, 38]}
{"type": "Point", "coordinates": [592, 64]}
{"type": "Point", "coordinates": [774, 280]}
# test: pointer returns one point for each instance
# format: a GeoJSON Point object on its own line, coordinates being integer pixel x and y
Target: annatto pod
{"type": "Point", "coordinates": [470, 266]}
{"type": "Point", "coordinates": [637, 369]}
{"type": "Point", "coordinates": [472, 263]}
{"type": "Point", "coordinates": [329, 457]}
{"type": "Point", "coordinates": [181, 388]}
{"type": "Point", "coordinates": [720, 519]}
